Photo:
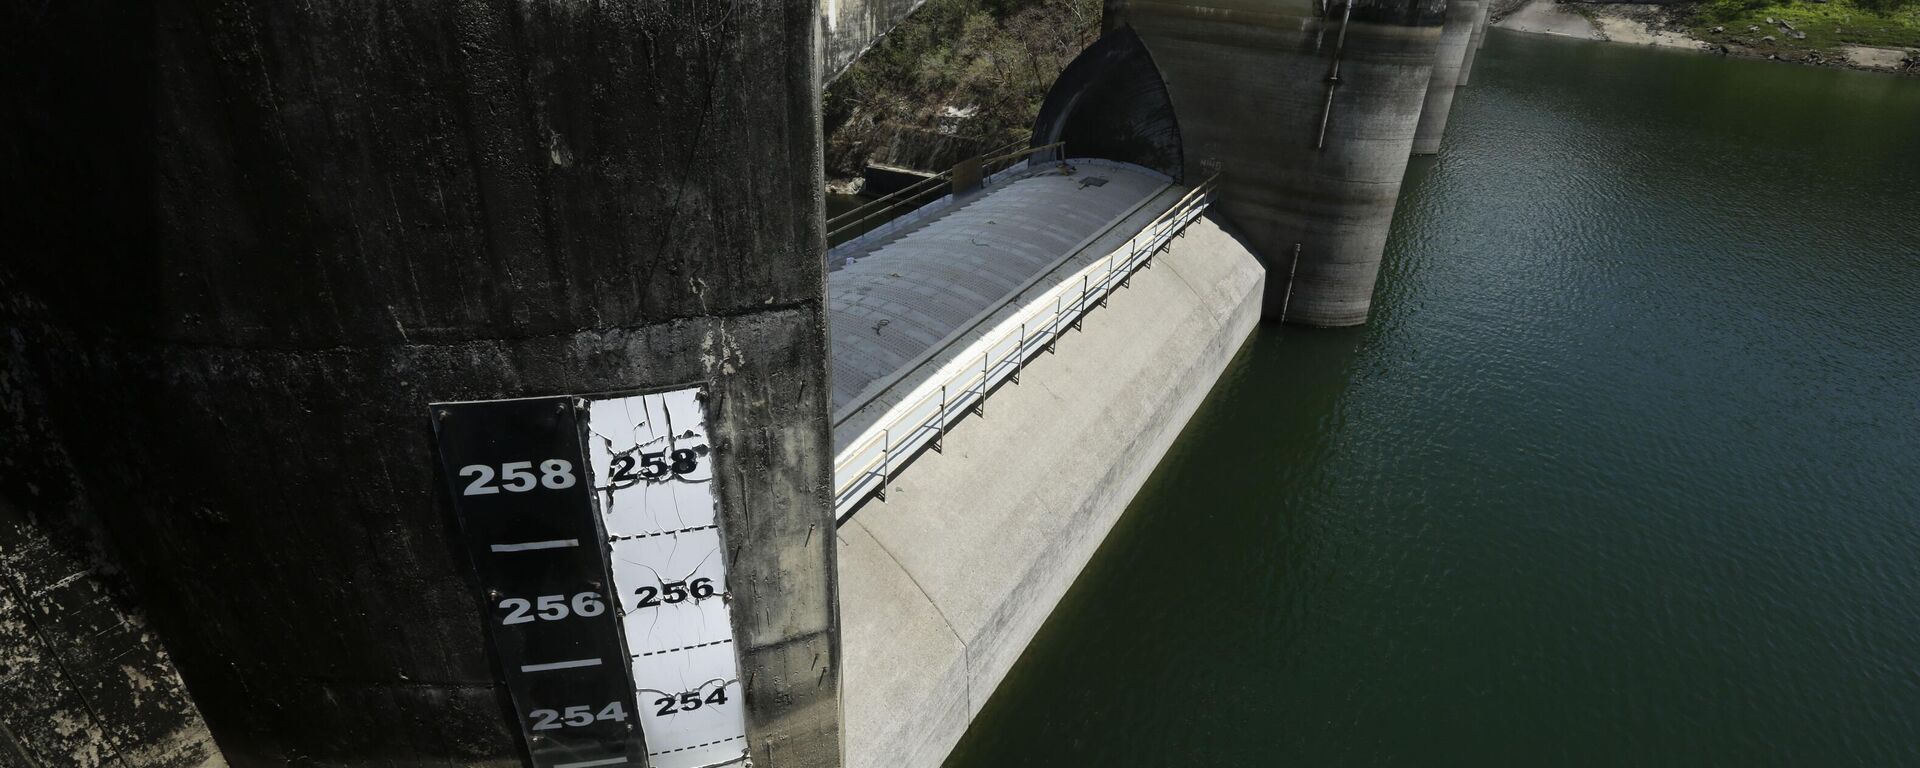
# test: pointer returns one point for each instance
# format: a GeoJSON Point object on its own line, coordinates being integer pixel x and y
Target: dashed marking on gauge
{"type": "Point", "coordinates": [533, 545]}
{"type": "Point", "coordinates": [553, 665]}
{"type": "Point", "coordinates": [683, 648]}
{"type": "Point", "coordinates": [696, 746]}
{"type": "Point", "coordinates": [694, 529]}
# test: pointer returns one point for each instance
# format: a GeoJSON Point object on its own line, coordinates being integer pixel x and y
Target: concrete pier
{"type": "Point", "coordinates": [1473, 45]}
{"type": "Point", "coordinates": [1309, 111]}
{"type": "Point", "coordinates": [277, 231]}
{"type": "Point", "coordinates": [849, 27]}
{"type": "Point", "coordinates": [1456, 43]}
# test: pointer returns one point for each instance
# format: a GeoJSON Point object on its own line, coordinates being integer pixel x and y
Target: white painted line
{"type": "Point", "coordinates": [592, 763]}
{"type": "Point", "coordinates": [575, 664]}
{"type": "Point", "coordinates": [555, 544]}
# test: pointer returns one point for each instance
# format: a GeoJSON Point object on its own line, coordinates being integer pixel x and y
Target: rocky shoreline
{"type": "Point", "coordinates": [1666, 26]}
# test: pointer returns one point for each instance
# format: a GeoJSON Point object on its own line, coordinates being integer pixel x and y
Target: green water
{"type": "Point", "coordinates": [1625, 470]}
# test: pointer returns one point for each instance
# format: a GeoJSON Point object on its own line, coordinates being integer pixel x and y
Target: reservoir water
{"type": "Point", "coordinates": [1625, 470]}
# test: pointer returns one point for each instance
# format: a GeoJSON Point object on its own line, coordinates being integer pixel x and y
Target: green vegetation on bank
{"type": "Point", "coordinates": [957, 77]}
{"type": "Point", "coordinates": [1827, 25]}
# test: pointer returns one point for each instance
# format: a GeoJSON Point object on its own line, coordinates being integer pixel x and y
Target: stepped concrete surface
{"type": "Point", "coordinates": [901, 303]}
{"type": "Point", "coordinates": [945, 582]}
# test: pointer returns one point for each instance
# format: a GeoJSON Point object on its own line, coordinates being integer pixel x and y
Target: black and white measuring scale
{"type": "Point", "coordinates": [593, 524]}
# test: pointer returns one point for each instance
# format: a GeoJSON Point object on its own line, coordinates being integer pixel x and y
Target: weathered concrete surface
{"type": "Point", "coordinates": [944, 584]}
{"type": "Point", "coordinates": [1249, 80]}
{"type": "Point", "coordinates": [85, 682]}
{"type": "Point", "coordinates": [1456, 41]}
{"type": "Point", "coordinates": [310, 219]}
{"type": "Point", "coordinates": [850, 27]}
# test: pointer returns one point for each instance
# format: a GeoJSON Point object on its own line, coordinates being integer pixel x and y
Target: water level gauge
{"type": "Point", "coordinates": [594, 528]}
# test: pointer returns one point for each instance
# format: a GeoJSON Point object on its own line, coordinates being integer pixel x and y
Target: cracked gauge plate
{"type": "Point", "coordinates": [652, 473]}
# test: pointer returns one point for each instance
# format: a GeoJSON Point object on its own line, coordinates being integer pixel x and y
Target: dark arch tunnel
{"type": "Point", "coordinates": [1112, 104]}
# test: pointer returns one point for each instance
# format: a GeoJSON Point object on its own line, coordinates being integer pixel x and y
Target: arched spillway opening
{"type": "Point", "coordinates": [1307, 110]}
{"type": "Point", "coordinates": [1111, 103]}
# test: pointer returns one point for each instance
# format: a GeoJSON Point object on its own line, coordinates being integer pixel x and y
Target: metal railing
{"type": "Point", "coordinates": [921, 420]}
{"type": "Point", "coordinates": [850, 225]}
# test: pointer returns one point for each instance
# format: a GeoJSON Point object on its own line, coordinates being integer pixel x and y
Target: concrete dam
{"type": "Point", "coordinates": [474, 416]}
{"type": "Point", "coordinates": [946, 581]}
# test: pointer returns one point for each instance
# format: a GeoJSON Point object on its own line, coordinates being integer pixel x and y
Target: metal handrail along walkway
{"type": "Point", "coordinates": [980, 170]}
{"type": "Point", "coordinates": [921, 420]}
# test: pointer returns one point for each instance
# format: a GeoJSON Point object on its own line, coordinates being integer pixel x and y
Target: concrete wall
{"type": "Point", "coordinates": [850, 27]}
{"type": "Point", "coordinates": [86, 683]}
{"type": "Point", "coordinates": [945, 582]}
{"type": "Point", "coordinates": [1249, 84]}
{"type": "Point", "coordinates": [258, 253]}
{"type": "Point", "coordinates": [1456, 39]}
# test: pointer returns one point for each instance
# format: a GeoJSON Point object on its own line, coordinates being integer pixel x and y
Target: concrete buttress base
{"type": "Point", "coordinates": [944, 583]}
{"type": "Point", "coordinates": [1456, 43]}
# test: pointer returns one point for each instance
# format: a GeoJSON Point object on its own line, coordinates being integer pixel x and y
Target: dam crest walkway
{"type": "Point", "coordinates": [931, 313]}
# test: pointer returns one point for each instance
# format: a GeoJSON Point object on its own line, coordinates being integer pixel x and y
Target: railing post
{"type": "Point", "coordinates": [940, 443]}
{"type": "Point", "coordinates": [886, 460]}
{"type": "Point", "coordinates": [1082, 310]}
{"type": "Point", "coordinates": [1106, 285]}
{"type": "Point", "coordinates": [980, 405]}
{"type": "Point", "coordinates": [1053, 328]}
{"type": "Point", "coordinates": [1020, 354]}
